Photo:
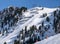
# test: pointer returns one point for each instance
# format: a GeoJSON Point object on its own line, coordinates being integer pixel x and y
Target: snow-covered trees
{"type": "Point", "coordinates": [36, 32]}
{"type": "Point", "coordinates": [10, 16]}
{"type": "Point", "coordinates": [33, 28]}
{"type": "Point", "coordinates": [33, 33]}
{"type": "Point", "coordinates": [56, 20]}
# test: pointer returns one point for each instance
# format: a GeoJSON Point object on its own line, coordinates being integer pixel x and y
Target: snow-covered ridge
{"type": "Point", "coordinates": [32, 16]}
{"type": "Point", "coordinates": [40, 11]}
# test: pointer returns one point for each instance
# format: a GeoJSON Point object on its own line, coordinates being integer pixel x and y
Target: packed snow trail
{"type": "Point", "coordinates": [51, 40]}
{"type": "Point", "coordinates": [19, 27]}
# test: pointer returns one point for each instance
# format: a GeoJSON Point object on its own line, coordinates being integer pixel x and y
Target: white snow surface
{"type": "Point", "coordinates": [51, 40]}
{"type": "Point", "coordinates": [33, 18]}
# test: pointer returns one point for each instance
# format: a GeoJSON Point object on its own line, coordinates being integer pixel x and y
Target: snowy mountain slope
{"type": "Point", "coordinates": [36, 19]}
{"type": "Point", "coordinates": [51, 40]}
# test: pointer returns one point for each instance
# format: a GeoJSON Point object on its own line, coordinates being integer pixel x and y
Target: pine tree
{"type": "Point", "coordinates": [39, 27]}
{"type": "Point", "coordinates": [5, 43]}
{"type": "Point", "coordinates": [43, 24]}
{"type": "Point", "coordinates": [47, 19]}
{"type": "Point", "coordinates": [16, 42]}
{"type": "Point", "coordinates": [23, 8]}
{"type": "Point", "coordinates": [11, 9]}
{"type": "Point", "coordinates": [26, 32]}
{"type": "Point", "coordinates": [25, 28]}
{"type": "Point", "coordinates": [33, 28]}
{"type": "Point", "coordinates": [44, 15]}
{"type": "Point", "coordinates": [54, 13]}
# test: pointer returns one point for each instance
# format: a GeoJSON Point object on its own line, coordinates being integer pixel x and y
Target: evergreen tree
{"type": "Point", "coordinates": [54, 13]}
{"type": "Point", "coordinates": [33, 28]}
{"type": "Point", "coordinates": [59, 12]}
{"type": "Point", "coordinates": [43, 24]}
{"type": "Point", "coordinates": [5, 43]}
{"type": "Point", "coordinates": [11, 9]}
{"type": "Point", "coordinates": [16, 42]}
{"type": "Point", "coordinates": [25, 28]}
{"type": "Point", "coordinates": [26, 32]}
{"type": "Point", "coordinates": [23, 8]}
{"type": "Point", "coordinates": [39, 27]}
{"type": "Point", "coordinates": [47, 19]}
{"type": "Point", "coordinates": [44, 15]}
